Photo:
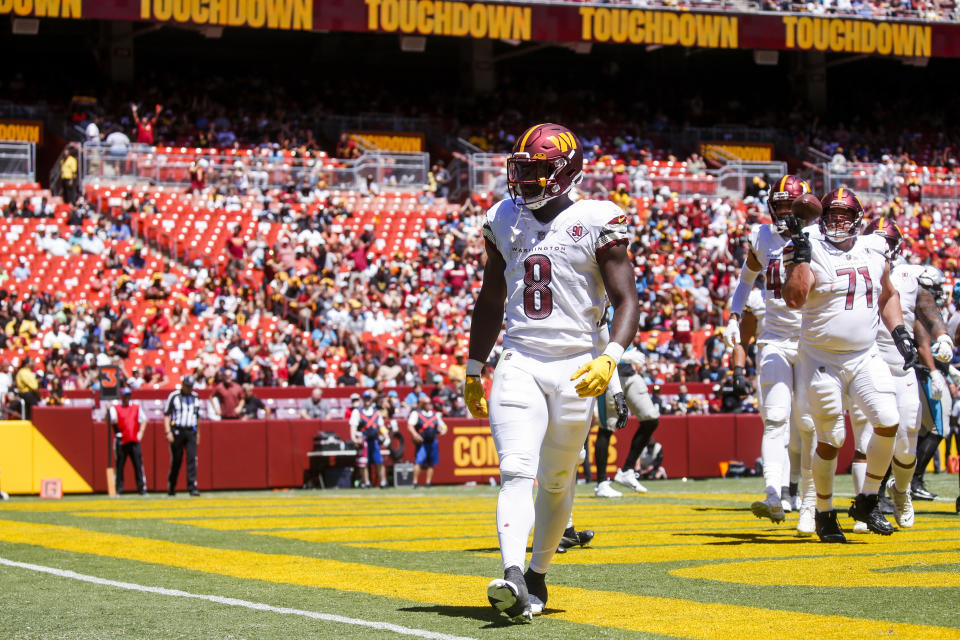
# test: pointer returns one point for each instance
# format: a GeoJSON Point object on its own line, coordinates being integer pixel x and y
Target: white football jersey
{"type": "Point", "coordinates": [781, 322]}
{"type": "Point", "coordinates": [904, 278]}
{"type": "Point", "coordinates": [841, 313]}
{"type": "Point", "coordinates": [757, 306]}
{"type": "Point", "coordinates": [555, 292]}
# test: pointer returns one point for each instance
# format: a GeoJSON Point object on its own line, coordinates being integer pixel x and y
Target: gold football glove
{"type": "Point", "coordinates": [596, 376]}
{"type": "Point", "coordinates": [474, 398]}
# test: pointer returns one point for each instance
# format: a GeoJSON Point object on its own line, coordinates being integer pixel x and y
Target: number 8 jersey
{"type": "Point", "coordinates": [555, 292]}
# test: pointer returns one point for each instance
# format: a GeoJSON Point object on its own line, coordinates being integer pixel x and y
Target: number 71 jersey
{"type": "Point", "coordinates": [555, 292]}
{"type": "Point", "coordinates": [841, 313]}
{"type": "Point", "coordinates": [781, 323]}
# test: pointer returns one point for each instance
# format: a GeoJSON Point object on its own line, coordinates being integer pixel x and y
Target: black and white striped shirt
{"type": "Point", "coordinates": [183, 409]}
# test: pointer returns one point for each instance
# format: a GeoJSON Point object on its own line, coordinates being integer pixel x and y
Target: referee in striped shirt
{"type": "Point", "coordinates": [180, 420]}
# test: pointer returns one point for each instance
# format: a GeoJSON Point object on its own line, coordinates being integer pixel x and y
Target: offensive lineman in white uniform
{"type": "Point", "coordinates": [920, 317]}
{"type": "Point", "coordinates": [550, 264]}
{"type": "Point", "coordinates": [776, 347]}
{"type": "Point", "coordinates": [843, 288]}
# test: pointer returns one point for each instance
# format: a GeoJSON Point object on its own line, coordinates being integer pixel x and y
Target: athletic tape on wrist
{"type": "Point", "coordinates": [474, 367]}
{"type": "Point", "coordinates": [615, 351]}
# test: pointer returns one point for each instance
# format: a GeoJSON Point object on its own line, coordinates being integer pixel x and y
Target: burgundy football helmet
{"type": "Point", "coordinates": [546, 162]}
{"type": "Point", "coordinates": [890, 232]}
{"type": "Point", "coordinates": [842, 215]}
{"type": "Point", "coordinates": [782, 194]}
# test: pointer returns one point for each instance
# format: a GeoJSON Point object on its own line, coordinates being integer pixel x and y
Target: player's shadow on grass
{"type": "Point", "coordinates": [721, 509]}
{"type": "Point", "coordinates": [483, 614]}
{"type": "Point", "coordinates": [759, 537]}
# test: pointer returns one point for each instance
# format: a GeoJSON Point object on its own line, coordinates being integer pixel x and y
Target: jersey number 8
{"type": "Point", "coordinates": [537, 298]}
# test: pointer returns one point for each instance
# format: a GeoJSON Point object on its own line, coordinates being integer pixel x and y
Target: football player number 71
{"type": "Point", "coordinates": [851, 273]}
{"type": "Point", "coordinates": [537, 297]}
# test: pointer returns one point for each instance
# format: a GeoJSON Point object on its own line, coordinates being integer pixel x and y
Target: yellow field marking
{"type": "Point", "coordinates": [834, 572]}
{"type": "Point", "coordinates": [665, 616]}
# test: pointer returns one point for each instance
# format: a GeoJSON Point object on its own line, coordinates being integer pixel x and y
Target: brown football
{"type": "Point", "coordinates": [807, 207]}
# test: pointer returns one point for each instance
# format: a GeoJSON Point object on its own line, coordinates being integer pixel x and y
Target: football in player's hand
{"type": "Point", "coordinates": [807, 208]}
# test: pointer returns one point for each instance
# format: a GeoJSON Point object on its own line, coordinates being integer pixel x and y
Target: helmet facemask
{"type": "Point", "coordinates": [532, 182]}
{"type": "Point", "coordinates": [781, 205]}
{"type": "Point", "coordinates": [840, 224]}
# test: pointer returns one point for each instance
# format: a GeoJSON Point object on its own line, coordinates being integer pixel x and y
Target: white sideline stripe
{"type": "Point", "coordinates": [234, 602]}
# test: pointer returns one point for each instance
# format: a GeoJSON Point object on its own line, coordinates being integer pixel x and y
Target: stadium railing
{"type": "Point", "coordinates": [265, 168]}
{"type": "Point", "coordinates": [18, 161]}
{"type": "Point", "coordinates": [488, 174]}
{"type": "Point", "coordinates": [873, 182]}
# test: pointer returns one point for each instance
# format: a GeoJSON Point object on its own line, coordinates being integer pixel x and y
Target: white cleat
{"type": "Point", "coordinates": [787, 505]}
{"type": "Point", "coordinates": [604, 490]}
{"type": "Point", "coordinates": [769, 508]}
{"type": "Point", "coordinates": [902, 505]}
{"type": "Point", "coordinates": [629, 478]}
{"type": "Point", "coordinates": [860, 527]}
{"type": "Point", "coordinates": [807, 523]}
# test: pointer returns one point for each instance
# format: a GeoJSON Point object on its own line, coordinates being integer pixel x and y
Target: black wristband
{"type": "Point", "coordinates": [738, 371]}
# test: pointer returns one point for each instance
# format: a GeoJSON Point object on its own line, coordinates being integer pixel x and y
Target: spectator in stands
{"type": "Point", "coordinates": [314, 407]}
{"type": "Point", "coordinates": [228, 395]}
{"type": "Point", "coordinates": [251, 406]}
{"type": "Point", "coordinates": [136, 259]}
{"type": "Point", "coordinates": [145, 133]}
{"type": "Point", "coordinates": [313, 377]}
{"type": "Point", "coordinates": [27, 385]}
{"type": "Point", "coordinates": [22, 271]}
{"type": "Point", "coordinates": [347, 378]}
{"type": "Point", "coordinates": [68, 175]}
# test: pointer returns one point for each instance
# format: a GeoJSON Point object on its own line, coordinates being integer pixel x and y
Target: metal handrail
{"type": "Point", "coordinates": [18, 161]}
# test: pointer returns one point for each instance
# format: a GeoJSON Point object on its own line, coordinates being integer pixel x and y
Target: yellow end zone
{"type": "Point", "coordinates": [663, 616]}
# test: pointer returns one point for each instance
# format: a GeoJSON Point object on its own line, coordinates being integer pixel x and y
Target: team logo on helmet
{"type": "Point", "coordinates": [547, 160]}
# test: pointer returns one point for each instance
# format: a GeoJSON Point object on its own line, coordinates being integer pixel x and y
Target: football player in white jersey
{"type": "Point", "coordinates": [922, 319]}
{"type": "Point", "coordinates": [551, 263]}
{"type": "Point", "coordinates": [776, 347]}
{"type": "Point", "coordinates": [843, 288]}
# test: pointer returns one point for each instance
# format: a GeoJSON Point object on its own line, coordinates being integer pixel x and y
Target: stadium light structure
{"type": "Point", "coordinates": [413, 44]}
{"type": "Point", "coordinates": [766, 58]}
{"type": "Point", "coordinates": [25, 26]}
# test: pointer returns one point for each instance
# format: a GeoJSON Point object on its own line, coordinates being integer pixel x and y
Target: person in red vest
{"type": "Point", "coordinates": [426, 426]}
{"type": "Point", "coordinates": [130, 422]}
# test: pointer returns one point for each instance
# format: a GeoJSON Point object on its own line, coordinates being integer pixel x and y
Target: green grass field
{"type": "Point", "coordinates": [687, 560]}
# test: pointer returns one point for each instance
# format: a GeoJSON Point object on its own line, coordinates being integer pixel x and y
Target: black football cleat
{"type": "Point", "coordinates": [865, 509]}
{"type": "Point", "coordinates": [573, 538]}
{"type": "Point", "coordinates": [885, 504]}
{"type": "Point", "coordinates": [828, 530]}
{"type": "Point", "coordinates": [920, 492]}
{"type": "Point", "coordinates": [537, 588]}
{"type": "Point", "coordinates": [509, 596]}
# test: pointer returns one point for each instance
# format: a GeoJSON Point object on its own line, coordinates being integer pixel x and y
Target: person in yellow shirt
{"type": "Point", "coordinates": [27, 385]}
{"type": "Point", "coordinates": [68, 175]}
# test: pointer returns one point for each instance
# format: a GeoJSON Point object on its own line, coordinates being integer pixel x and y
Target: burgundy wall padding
{"type": "Point", "coordinates": [238, 454]}
{"type": "Point", "coordinates": [273, 453]}
{"type": "Point", "coordinates": [749, 433]}
{"type": "Point", "coordinates": [70, 432]}
{"type": "Point", "coordinates": [711, 439]}
{"type": "Point", "coordinates": [672, 434]}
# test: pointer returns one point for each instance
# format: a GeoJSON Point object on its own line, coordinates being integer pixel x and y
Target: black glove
{"type": "Point", "coordinates": [923, 373]}
{"type": "Point", "coordinates": [741, 386]}
{"type": "Point", "coordinates": [906, 346]}
{"type": "Point", "coordinates": [801, 241]}
{"type": "Point", "coordinates": [622, 413]}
